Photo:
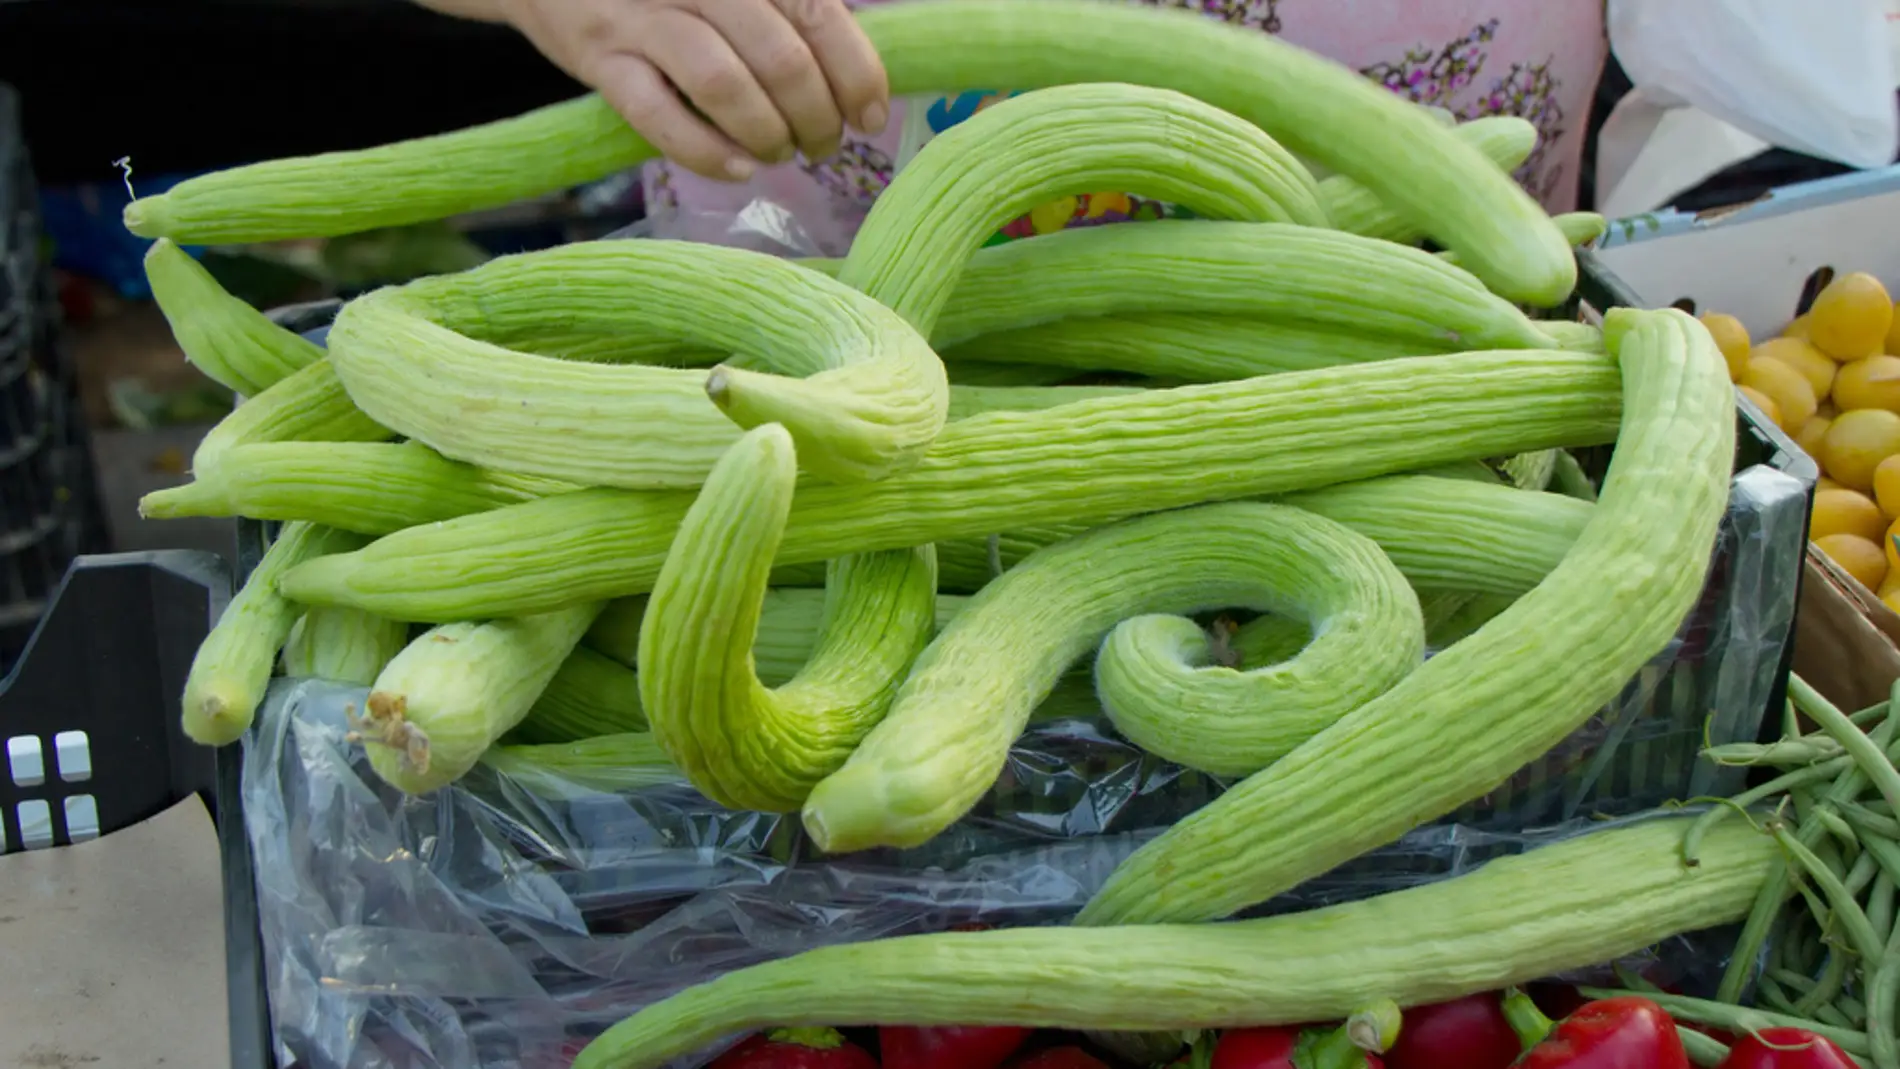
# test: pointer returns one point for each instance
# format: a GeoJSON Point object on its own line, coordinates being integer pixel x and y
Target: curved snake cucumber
{"type": "Point", "coordinates": [1296, 275]}
{"type": "Point", "coordinates": [342, 645]}
{"type": "Point", "coordinates": [450, 694]}
{"type": "Point", "coordinates": [1505, 140]}
{"type": "Point", "coordinates": [1156, 449]}
{"type": "Point", "coordinates": [742, 745]}
{"type": "Point", "coordinates": [1316, 108]}
{"type": "Point", "coordinates": [1568, 905]}
{"type": "Point", "coordinates": [969, 695]}
{"type": "Point", "coordinates": [232, 667]}
{"type": "Point", "coordinates": [234, 344]}
{"type": "Point", "coordinates": [413, 360]}
{"type": "Point", "coordinates": [1471, 716]}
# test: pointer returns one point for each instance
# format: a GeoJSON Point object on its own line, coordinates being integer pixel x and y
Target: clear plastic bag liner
{"type": "Point", "coordinates": [501, 922]}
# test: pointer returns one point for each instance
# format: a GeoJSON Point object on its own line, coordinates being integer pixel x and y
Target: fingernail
{"type": "Point", "coordinates": [874, 118]}
{"type": "Point", "coordinates": [740, 168]}
{"type": "Point", "coordinates": [784, 155]}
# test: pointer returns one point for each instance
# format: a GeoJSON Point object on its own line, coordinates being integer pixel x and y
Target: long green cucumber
{"type": "Point", "coordinates": [1190, 346]}
{"type": "Point", "coordinates": [342, 645]}
{"type": "Point", "coordinates": [1153, 450]}
{"type": "Point", "coordinates": [949, 730]}
{"type": "Point", "coordinates": [609, 764]}
{"type": "Point", "coordinates": [450, 694]}
{"type": "Point", "coordinates": [308, 405]}
{"type": "Point", "coordinates": [232, 667]}
{"type": "Point", "coordinates": [1478, 711]}
{"type": "Point", "coordinates": [1505, 140]}
{"type": "Point", "coordinates": [1318, 109]}
{"type": "Point", "coordinates": [233, 343]}
{"type": "Point", "coordinates": [744, 745]}
{"type": "Point", "coordinates": [368, 487]}
{"type": "Point", "coordinates": [412, 359]}
{"type": "Point", "coordinates": [1569, 905]}
{"type": "Point", "coordinates": [1294, 275]}
{"type": "Point", "coordinates": [590, 694]}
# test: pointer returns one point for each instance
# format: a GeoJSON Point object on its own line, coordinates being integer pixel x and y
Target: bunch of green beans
{"type": "Point", "coordinates": [1820, 946]}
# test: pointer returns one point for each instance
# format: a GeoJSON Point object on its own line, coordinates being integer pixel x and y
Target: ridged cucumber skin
{"type": "Point", "coordinates": [457, 689]}
{"type": "Point", "coordinates": [969, 695]}
{"type": "Point", "coordinates": [1568, 905]}
{"type": "Point", "coordinates": [234, 344]}
{"type": "Point", "coordinates": [342, 645]}
{"type": "Point", "coordinates": [232, 667]}
{"type": "Point", "coordinates": [1477, 712]}
{"type": "Point", "coordinates": [744, 745]}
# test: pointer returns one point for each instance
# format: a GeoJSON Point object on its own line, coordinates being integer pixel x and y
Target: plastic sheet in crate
{"type": "Point", "coordinates": [495, 922]}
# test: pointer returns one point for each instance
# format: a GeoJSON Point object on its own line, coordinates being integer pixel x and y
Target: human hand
{"type": "Point", "coordinates": [763, 77]}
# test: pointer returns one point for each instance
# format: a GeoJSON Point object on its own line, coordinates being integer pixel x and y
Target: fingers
{"type": "Point", "coordinates": [703, 66]}
{"type": "Point", "coordinates": [643, 96]}
{"type": "Point", "coordinates": [845, 54]}
{"type": "Point", "coordinates": [767, 42]}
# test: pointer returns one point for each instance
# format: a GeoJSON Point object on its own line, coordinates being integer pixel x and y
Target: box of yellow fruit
{"type": "Point", "coordinates": [1831, 379]}
{"type": "Point", "coordinates": [1798, 287]}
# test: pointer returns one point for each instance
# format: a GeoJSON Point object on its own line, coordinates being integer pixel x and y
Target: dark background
{"type": "Point", "coordinates": [186, 85]}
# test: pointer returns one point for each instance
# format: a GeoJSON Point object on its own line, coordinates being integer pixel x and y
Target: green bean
{"type": "Point", "coordinates": [1858, 878]}
{"type": "Point", "coordinates": [1869, 755]}
{"type": "Point", "coordinates": [1692, 839]}
{"type": "Point", "coordinates": [1852, 1009]}
{"type": "Point", "coordinates": [1869, 822]}
{"type": "Point", "coordinates": [1850, 781]}
{"type": "Point", "coordinates": [1769, 993]}
{"type": "Point", "coordinates": [1790, 720]}
{"type": "Point", "coordinates": [1886, 854]}
{"type": "Point", "coordinates": [1734, 1018]}
{"type": "Point", "coordinates": [1873, 714]}
{"type": "Point", "coordinates": [1883, 984]}
{"type": "Point", "coordinates": [1880, 902]}
{"type": "Point", "coordinates": [1704, 1050]}
{"type": "Point", "coordinates": [1828, 1014]}
{"type": "Point", "coordinates": [1796, 752]}
{"type": "Point", "coordinates": [1820, 993]}
{"type": "Point", "coordinates": [1846, 911]}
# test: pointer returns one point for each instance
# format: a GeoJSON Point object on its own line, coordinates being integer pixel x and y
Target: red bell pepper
{"type": "Point", "coordinates": [796, 1048]}
{"type": "Point", "coordinates": [906, 1047]}
{"type": "Point", "coordinates": [1615, 1033]}
{"type": "Point", "coordinates": [1356, 1044]}
{"type": "Point", "coordinates": [1786, 1048]}
{"type": "Point", "coordinates": [1466, 1033]}
{"type": "Point", "coordinates": [1060, 1058]}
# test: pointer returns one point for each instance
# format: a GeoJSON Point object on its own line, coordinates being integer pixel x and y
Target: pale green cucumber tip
{"type": "Point", "coordinates": [147, 217]}
{"type": "Point", "coordinates": [213, 720]}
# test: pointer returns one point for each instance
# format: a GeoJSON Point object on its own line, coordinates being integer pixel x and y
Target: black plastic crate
{"type": "Point", "coordinates": [90, 723]}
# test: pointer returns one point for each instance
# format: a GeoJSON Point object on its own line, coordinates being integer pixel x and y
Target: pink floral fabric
{"type": "Point", "coordinates": [1536, 59]}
